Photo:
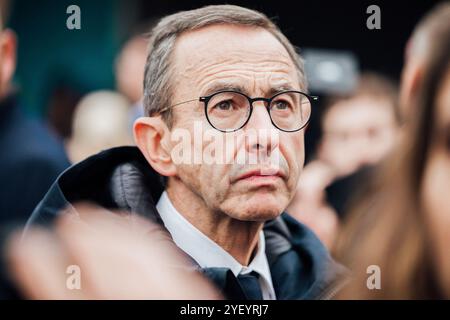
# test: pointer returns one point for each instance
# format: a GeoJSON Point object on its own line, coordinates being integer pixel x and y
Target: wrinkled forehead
{"type": "Point", "coordinates": [229, 53]}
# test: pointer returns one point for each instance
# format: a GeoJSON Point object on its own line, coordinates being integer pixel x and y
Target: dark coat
{"type": "Point", "coordinates": [121, 178]}
{"type": "Point", "coordinates": [31, 158]}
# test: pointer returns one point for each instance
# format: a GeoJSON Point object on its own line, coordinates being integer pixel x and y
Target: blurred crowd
{"type": "Point", "coordinates": [376, 186]}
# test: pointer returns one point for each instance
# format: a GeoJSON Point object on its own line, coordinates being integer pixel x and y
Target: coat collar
{"type": "Point", "coordinates": [121, 178]}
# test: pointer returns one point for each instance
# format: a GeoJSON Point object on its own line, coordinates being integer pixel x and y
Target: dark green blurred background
{"type": "Point", "coordinates": [52, 57]}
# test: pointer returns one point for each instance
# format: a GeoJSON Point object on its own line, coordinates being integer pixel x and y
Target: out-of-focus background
{"type": "Point", "coordinates": [57, 66]}
{"type": "Point", "coordinates": [66, 94]}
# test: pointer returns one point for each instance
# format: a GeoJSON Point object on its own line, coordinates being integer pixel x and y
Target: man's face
{"type": "Point", "coordinates": [252, 61]}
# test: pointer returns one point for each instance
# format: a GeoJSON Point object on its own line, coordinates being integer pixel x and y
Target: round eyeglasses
{"type": "Point", "coordinates": [229, 111]}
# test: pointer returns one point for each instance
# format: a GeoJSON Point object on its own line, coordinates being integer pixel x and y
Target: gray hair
{"type": "Point", "coordinates": [157, 78]}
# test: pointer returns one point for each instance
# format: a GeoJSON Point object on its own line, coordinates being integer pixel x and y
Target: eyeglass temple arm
{"type": "Point", "coordinates": [174, 105]}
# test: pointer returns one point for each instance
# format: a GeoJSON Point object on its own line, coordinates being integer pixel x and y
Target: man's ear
{"type": "Point", "coordinates": [8, 46]}
{"type": "Point", "coordinates": [152, 136]}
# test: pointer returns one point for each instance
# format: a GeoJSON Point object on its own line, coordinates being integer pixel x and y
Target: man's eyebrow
{"type": "Point", "coordinates": [222, 86]}
{"type": "Point", "coordinates": [280, 88]}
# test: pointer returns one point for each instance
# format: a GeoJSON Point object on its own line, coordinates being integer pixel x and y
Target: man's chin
{"type": "Point", "coordinates": [259, 216]}
{"type": "Point", "coordinates": [259, 207]}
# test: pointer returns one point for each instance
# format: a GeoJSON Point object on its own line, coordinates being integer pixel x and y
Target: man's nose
{"type": "Point", "coordinates": [261, 135]}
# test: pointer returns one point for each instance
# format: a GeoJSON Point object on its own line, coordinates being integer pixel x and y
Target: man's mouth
{"type": "Point", "coordinates": [261, 176]}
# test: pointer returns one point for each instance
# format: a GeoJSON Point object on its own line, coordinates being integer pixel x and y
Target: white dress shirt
{"type": "Point", "coordinates": [209, 254]}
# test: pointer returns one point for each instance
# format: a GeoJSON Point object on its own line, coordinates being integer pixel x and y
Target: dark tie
{"type": "Point", "coordinates": [250, 285]}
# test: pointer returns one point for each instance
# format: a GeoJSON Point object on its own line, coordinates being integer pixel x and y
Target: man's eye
{"type": "Point", "coordinates": [281, 105]}
{"type": "Point", "coordinates": [224, 105]}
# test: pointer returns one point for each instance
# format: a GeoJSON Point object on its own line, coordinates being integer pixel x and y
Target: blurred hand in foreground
{"type": "Point", "coordinates": [118, 256]}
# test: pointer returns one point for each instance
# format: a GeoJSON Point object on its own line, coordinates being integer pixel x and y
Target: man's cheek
{"type": "Point", "coordinates": [296, 165]}
{"type": "Point", "coordinates": [210, 176]}
{"type": "Point", "coordinates": [294, 148]}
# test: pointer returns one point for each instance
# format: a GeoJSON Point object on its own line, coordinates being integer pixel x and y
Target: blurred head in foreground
{"type": "Point", "coordinates": [402, 226]}
{"type": "Point", "coordinates": [100, 122]}
{"type": "Point", "coordinates": [421, 46]}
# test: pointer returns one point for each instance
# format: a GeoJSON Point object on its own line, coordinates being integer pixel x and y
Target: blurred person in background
{"type": "Point", "coordinates": [358, 131]}
{"type": "Point", "coordinates": [232, 211]}
{"type": "Point", "coordinates": [100, 122]}
{"type": "Point", "coordinates": [119, 256]}
{"type": "Point", "coordinates": [361, 129]}
{"type": "Point", "coordinates": [129, 72]}
{"type": "Point", "coordinates": [402, 224]}
{"type": "Point", "coordinates": [31, 156]}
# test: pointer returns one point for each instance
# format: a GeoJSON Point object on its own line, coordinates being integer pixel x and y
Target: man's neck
{"type": "Point", "coordinates": [238, 238]}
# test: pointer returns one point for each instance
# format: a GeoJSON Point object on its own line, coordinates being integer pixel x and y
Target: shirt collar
{"type": "Point", "coordinates": [205, 251]}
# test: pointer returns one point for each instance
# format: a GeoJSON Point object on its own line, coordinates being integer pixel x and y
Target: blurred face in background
{"type": "Point", "coordinates": [130, 67]}
{"type": "Point", "coordinates": [436, 185]}
{"type": "Point", "coordinates": [357, 132]}
{"type": "Point", "coordinates": [101, 114]}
